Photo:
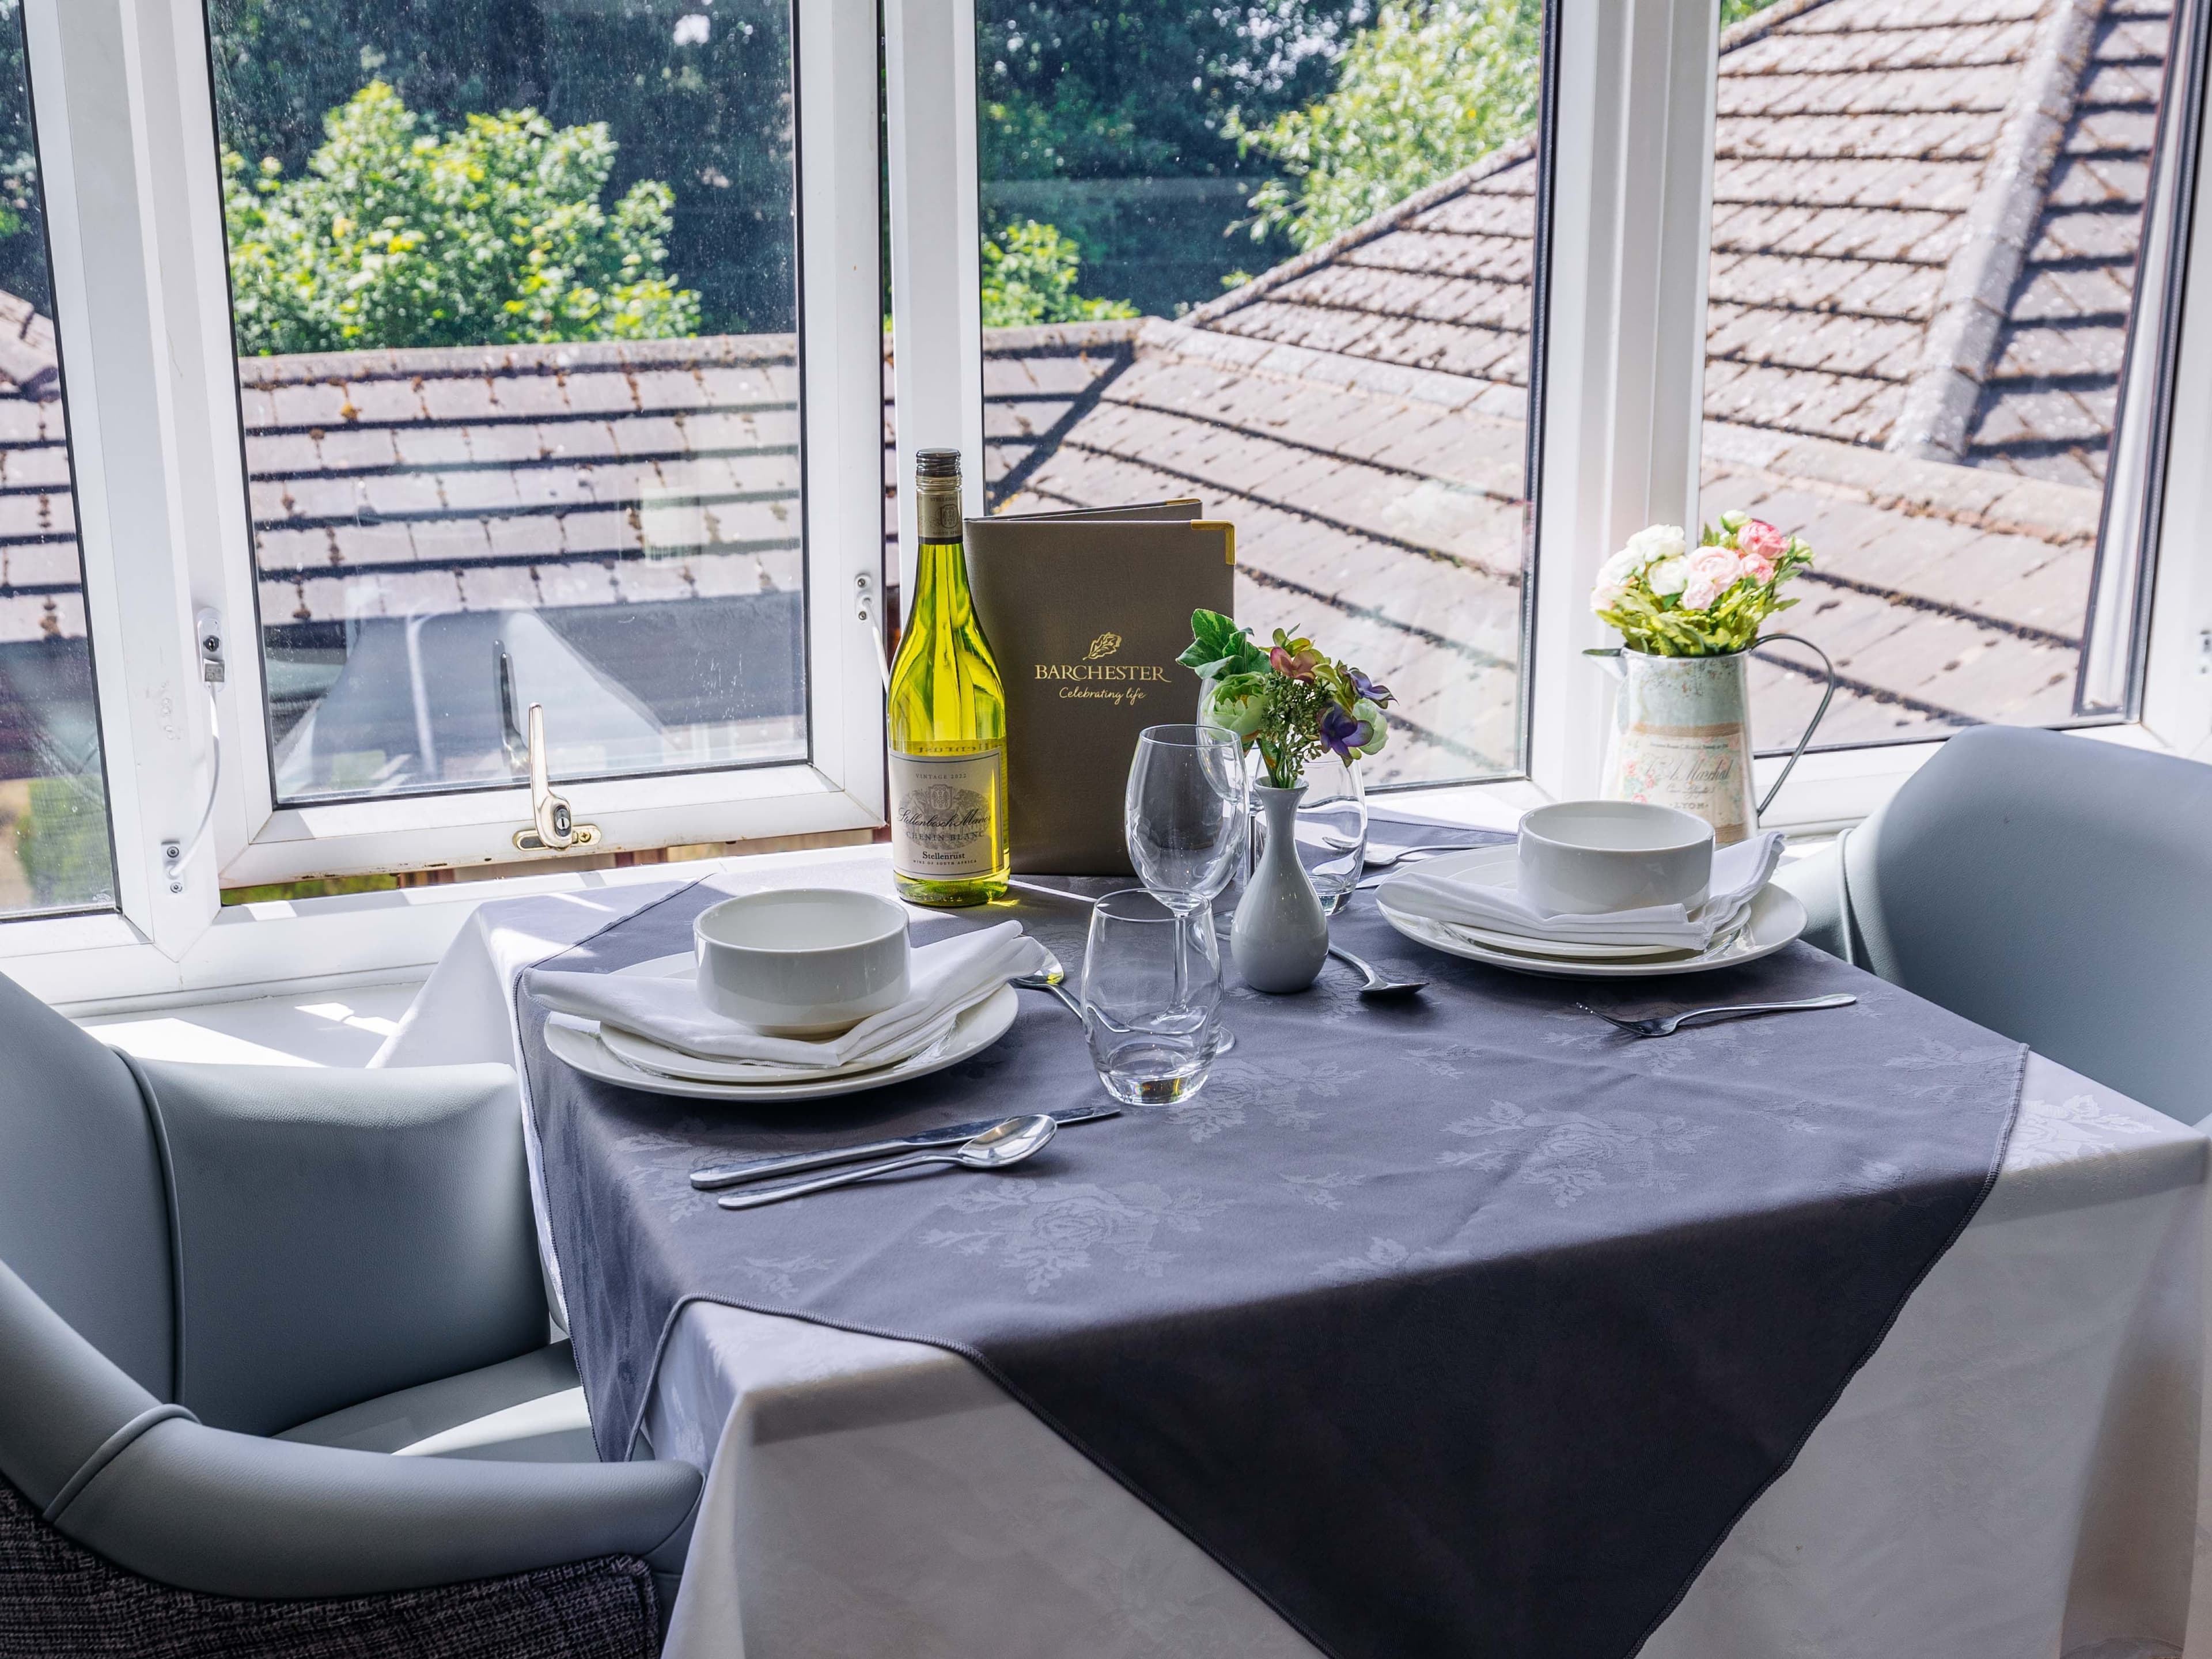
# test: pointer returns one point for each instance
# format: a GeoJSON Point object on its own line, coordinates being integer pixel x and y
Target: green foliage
{"type": "Point", "coordinates": [1030, 273]}
{"type": "Point", "coordinates": [1108, 89]}
{"type": "Point", "coordinates": [61, 843]}
{"type": "Point", "coordinates": [1433, 86]}
{"type": "Point", "coordinates": [1734, 11]}
{"type": "Point", "coordinates": [709, 113]}
{"type": "Point", "coordinates": [491, 235]}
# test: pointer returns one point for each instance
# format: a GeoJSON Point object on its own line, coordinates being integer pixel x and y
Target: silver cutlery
{"type": "Point", "coordinates": [952, 1134]}
{"type": "Point", "coordinates": [1385, 858]}
{"type": "Point", "coordinates": [1668, 1024]}
{"type": "Point", "coordinates": [1377, 988]}
{"type": "Point", "coordinates": [1049, 983]}
{"type": "Point", "coordinates": [998, 1147]}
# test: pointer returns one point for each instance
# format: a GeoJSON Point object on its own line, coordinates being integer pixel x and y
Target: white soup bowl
{"type": "Point", "coordinates": [802, 962]}
{"type": "Point", "coordinates": [1585, 858]}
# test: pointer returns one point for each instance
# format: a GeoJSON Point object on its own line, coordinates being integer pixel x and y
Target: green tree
{"type": "Point", "coordinates": [1433, 86]}
{"type": "Point", "coordinates": [22, 221]}
{"type": "Point", "coordinates": [491, 235]}
{"type": "Point", "coordinates": [695, 95]}
{"type": "Point", "coordinates": [1030, 273]}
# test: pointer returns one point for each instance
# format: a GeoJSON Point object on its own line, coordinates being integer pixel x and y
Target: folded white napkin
{"type": "Point", "coordinates": [1739, 872]}
{"type": "Point", "coordinates": [943, 979]}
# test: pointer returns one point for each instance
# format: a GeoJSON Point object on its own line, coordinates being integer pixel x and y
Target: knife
{"type": "Point", "coordinates": [952, 1134]}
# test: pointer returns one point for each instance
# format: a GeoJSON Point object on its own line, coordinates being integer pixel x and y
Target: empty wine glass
{"type": "Point", "coordinates": [1151, 1000]}
{"type": "Point", "coordinates": [1184, 815]}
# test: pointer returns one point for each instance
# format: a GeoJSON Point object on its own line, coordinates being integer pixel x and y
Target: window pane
{"type": "Point", "coordinates": [54, 849]}
{"type": "Point", "coordinates": [1178, 301]}
{"type": "Point", "coordinates": [513, 283]}
{"type": "Point", "coordinates": [1927, 225]}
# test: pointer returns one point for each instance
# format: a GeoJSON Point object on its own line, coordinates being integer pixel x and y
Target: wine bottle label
{"type": "Point", "coordinates": [944, 811]}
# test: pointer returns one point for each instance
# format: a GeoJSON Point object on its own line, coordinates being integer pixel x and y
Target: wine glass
{"type": "Point", "coordinates": [1184, 817]}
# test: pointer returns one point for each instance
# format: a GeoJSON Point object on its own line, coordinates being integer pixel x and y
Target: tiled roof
{"type": "Point", "coordinates": [1926, 217]}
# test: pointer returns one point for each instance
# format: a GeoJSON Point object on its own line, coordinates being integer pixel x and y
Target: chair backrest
{"type": "Point", "coordinates": [2057, 890]}
{"type": "Point", "coordinates": [84, 1218]}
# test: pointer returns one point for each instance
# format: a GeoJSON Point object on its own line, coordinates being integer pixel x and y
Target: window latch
{"type": "Point", "coordinates": [552, 828]}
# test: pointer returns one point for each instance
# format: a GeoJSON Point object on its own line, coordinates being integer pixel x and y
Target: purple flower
{"type": "Point", "coordinates": [1363, 687]}
{"type": "Point", "coordinates": [1343, 734]}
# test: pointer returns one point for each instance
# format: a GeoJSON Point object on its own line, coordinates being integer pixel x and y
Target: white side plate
{"type": "Point", "coordinates": [1776, 919]}
{"type": "Point", "coordinates": [974, 1031]}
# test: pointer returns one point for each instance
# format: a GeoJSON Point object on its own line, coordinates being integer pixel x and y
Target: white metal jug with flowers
{"type": "Point", "coordinates": [1690, 620]}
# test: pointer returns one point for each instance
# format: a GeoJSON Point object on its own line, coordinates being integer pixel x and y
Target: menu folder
{"type": "Point", "coordinates": [1086, 613]}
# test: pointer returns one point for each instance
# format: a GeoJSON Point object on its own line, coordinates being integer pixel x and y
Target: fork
{"type": "Point", "coordinates": [1668, 1024]}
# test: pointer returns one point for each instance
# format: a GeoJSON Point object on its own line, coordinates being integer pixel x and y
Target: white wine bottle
{"type": "Point", "coordinates": [948, 717]}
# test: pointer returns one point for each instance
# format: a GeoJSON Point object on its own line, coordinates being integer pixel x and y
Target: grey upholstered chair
{"type": "Point", "coordinates": [2052, 888]}
{"type": "Point", "coordinates": [227, 1294]}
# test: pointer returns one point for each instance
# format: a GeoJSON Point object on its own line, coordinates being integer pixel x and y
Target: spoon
{"type": "Point", "coordinates": [1377, 988]}
{"type": "Point", "coordinates": [997, 1147]}
{"type": "Point", "coordinates": [1224, 1039]}
{"type": "Point", "coordinates": [1382, 857]}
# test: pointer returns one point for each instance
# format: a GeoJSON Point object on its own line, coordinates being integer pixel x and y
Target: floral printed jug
{"type": "Point", "coordinates": [1681, 734]}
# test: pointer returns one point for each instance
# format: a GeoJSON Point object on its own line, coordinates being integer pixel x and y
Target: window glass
{"type": "Point", "coordinates": [1928, 224]}
{"type": "Point", "coordinates": [1278, 256]}
{"type": "Point", "coordinates": [54, 847]}
{"type": "Point", "coordinates": [514, 285]}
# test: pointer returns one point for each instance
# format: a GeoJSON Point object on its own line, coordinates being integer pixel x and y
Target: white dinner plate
{"type": "Point", "coordinates": [1499, 867]}
{"type": "Point", "coordinates": [1776, 919]}
{"type": "Point", "coordinates": [975, 1030]}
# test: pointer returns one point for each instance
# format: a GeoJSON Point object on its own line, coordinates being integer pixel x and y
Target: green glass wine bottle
{"type": "Point", "coordinates": [947, 716]}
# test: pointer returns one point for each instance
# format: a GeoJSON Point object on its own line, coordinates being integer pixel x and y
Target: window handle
{"type": "Point", "coordinates": [553, 828]}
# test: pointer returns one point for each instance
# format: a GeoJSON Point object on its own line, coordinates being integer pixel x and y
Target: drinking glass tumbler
{"type": "Point", "coordinates": [1151, 1000]}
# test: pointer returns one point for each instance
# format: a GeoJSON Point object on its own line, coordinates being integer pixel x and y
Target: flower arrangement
{"type": "Point", "coordinates": [1673, 600]}
{"type": "Point", "coordinates": [1285, 700]}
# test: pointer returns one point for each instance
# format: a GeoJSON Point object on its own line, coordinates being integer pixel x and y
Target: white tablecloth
{"type": "Point", "coordinates": [2015, 1475]}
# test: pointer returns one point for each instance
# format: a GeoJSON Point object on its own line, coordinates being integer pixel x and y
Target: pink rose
{"type": "Point", "coordinates": [1760, 540]}
{"type": "Point", "coordinates": [1713, 571]}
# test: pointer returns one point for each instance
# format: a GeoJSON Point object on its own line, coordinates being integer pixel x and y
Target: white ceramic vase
{"type": "Point", "coordinates": [1280, 938]}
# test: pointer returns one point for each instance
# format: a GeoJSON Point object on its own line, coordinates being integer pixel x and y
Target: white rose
{"type": "Point", "coordinates": [1605, 596]}
{"type": "Point", "coordinates": [1655, 543]}
{"type": "Point", "coordinates": [1617, 570]}
{"type": "Point", "coordinates": [1667, 576]}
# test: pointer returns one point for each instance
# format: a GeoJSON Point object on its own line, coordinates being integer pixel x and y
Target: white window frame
{"type": "Point", "coordinates": [121, 90]}
{"type": "Point", "coordinates": [121, 93]}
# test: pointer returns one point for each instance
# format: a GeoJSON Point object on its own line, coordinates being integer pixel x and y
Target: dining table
{"type": "Point", "coordinates": [1460, 1323]}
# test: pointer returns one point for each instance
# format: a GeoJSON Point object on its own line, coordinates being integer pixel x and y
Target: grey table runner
{"type": "Point", "coordinates": [1458, 1327]}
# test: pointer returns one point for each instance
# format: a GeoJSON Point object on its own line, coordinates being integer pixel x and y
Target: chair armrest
{"type": "Point", "coordinates": [1813, 879]}
{"type": "Point", "coordinates": [340, 1234]}
{"type": "Point", "coordinates": [232, 1515]}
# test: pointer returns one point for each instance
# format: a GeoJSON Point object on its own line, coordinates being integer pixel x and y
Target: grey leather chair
{"type": "Point", "coordinates": [228, 1296]}
{"type": "Point", "coordinates": [2052, 888]}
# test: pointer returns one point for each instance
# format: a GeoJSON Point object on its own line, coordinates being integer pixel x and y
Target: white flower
{"type": "Point", "coordinates": [1605, 596]}
{"type": "Point", "coordinates": [1699, 593]}
{"type": "Point", "coordinates": [1668, 575]}
{"type": "Point", "coordinates": [1653, 543]}
{"type": "Point", "coordinates": [694, 30]}
{"type": "Point", "coordinates": [1620, 569]}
